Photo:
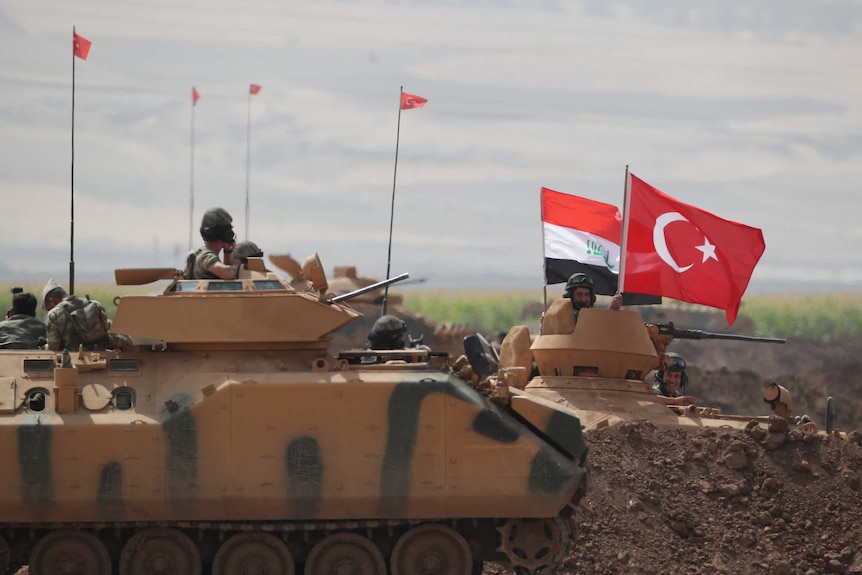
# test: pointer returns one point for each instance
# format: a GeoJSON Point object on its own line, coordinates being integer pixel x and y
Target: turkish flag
{"type": "Point", "coordinates": [409, 101]}
{"type": "Point", "coordinates": [80, 46]}
{"type": "Point", "coordinates": [253, 89]}
{"type": "Point", "coordinates": [679, 251]}
{"type": "Point", "coordinates": [195, 96]}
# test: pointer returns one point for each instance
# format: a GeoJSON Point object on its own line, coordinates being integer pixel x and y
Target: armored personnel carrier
{"type": "Point", "coordinates": [596, 367]}
{"type": "Point", "coordinates": [226, 439]}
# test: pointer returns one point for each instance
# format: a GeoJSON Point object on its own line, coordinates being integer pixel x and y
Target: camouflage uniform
{"type": "Point", "coordinates": [204, 260]}
{"type": "Point", "coordinates": [61, 330]}
{"type": "Point", "coordinates": [21, 332]}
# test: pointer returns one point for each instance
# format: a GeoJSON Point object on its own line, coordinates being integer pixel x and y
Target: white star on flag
{"type": "Point", "coordinates": [708, 250]}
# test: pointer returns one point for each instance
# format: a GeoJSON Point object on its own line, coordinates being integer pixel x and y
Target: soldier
{"type": "Point", "coordinates": [22, 330]}
{"type": "Point", "coordinates": [218, 235]}
{"type": "Point", "coordinates": [245, 250]}
{"type": "Point", "coordinates": [581, 290]}
{"type": "Point", "coordinates": [669, 383]}
{"type": "Point", "coordinates": [73, 322]}
{"type": "Point", "coordinates": [387, 333]}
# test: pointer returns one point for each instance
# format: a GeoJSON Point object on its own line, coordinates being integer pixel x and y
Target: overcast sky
{"type": "Point", "coordinates": [751, 110]}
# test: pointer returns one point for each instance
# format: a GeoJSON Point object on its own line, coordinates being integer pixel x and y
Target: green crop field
{"type": "Point", "coordinates": [776, 315]}
{"type": "Point", "coordinates": [493, 311]}
{"type": "Point", "coordinates": [104, 293]}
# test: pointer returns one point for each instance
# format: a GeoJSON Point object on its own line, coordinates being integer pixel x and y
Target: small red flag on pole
{"type": "Point", "coordinates": [195, 96]}
{"type": "Point", "coordinates": [409, 101]}
{"type": "Point", "coordinates": [80, 46]}
{"type": "Point", "coordinates": [253, 89]}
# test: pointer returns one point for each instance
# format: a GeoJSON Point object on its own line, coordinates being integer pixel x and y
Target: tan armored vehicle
{"type": "Point", "coordinates": [596, 367]}
{"type": "Point", "coordinates": [226, 439]}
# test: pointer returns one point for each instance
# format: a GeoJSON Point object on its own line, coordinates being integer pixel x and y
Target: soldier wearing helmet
{"type": "Point", "coordinates": [580, 288]}
{"type": "Point", "coordinates": [218, 235]}
{"type": "Point", "coordinates": [670, 381]}
{"type": "Point", "coordinates": [387, 333]}
{"type": "Point", "coordinates": [245, 250]}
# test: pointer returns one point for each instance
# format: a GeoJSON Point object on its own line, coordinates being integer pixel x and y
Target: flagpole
{"type": "Point", "coordinates": [544, 258]}
{"type": "Point", "coordinates": [192, 171]}
{"type": "Point", "coordinates": [626, 209]}
{"type": "Point", "coordinates": [392, 207]}
{"type": "Point", "coordinates": [72, 186]}
{"type": "Point", "coordinates": [247, 160]}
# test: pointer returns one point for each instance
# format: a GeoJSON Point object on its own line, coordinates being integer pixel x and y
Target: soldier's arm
{"type": "Point", "coordinates": [55, 341]}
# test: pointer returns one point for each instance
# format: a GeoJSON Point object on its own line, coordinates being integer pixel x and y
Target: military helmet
{"type": "Point", "coordinates": [46, 291]}
{"type": "Point", "coordinates": [580, 280]}
{"type": "Point", "coordinates": [217, 224]}
{"type": "Point", "coordinates": [247, 249]}
{"type": "Point", "coordinates": [674, 362]}
{"type": "Point", "coordinates": [387, 333]}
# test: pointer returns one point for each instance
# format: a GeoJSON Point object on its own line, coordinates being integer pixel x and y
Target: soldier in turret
{"type": "Point", "coordinates": [245, 250]}
{"type": "Point", "coordinates": [218, 235]}
{"type": "Point", "coordinates": [581, 289]}
{"type": "Point", "coordinates": [388, 333]}
{"type": "Point", "coordinates": [22, 330]}
{"type": "Point", "coordinates": [669, 383]}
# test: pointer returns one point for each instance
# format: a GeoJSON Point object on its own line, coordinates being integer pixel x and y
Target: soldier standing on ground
{"type": "Point", "coordinates": [218, 235]}
{"type": "Point", "coordinates": [22, 330]}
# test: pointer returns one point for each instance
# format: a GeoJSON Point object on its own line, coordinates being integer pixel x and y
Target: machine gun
{"type": "Point", "coordinates": [668, 330]}
{"type": "Point", "coordinates": [663, 333]}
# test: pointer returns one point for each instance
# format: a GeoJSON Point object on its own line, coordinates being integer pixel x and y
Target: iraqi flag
{"type": "Point", "coordinates": [582, 235]}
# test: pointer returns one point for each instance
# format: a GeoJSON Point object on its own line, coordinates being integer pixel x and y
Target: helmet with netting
{"type": "Point", "coordinates": [387, 333]}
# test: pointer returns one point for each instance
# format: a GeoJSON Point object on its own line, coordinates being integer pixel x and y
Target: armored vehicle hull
{"type": "Point", "coordinates": [264, 455]}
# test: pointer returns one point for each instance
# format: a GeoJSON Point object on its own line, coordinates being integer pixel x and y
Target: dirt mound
{"type": "Point", "coordinates": [780, 502]}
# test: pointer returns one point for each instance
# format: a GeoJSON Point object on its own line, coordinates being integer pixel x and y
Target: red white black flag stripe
{"type": "Point", "coordinates": [582, 235]}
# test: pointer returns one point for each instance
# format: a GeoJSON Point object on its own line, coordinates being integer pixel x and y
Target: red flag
{"type": "Point", "coordinates": [195, 96]}
{"type": "Point", "coordinates": [679, 251]}
{"type": "Point", "coordinates": [80, 46]}
{"type": "Point", "coordinates": [253, 89]}
{"type": "Point", "coordinates": [409, 101]}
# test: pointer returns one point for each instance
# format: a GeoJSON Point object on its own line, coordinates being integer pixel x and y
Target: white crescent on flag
{"type": "Point", "coordinates": [660, 242]}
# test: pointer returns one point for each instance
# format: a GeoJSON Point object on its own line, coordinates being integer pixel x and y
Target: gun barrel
{"type": "Point", "coordinates": [698, 334]}
{"type": "Point", "coordinates": [669, 329]}
{"type": "Point", "coordinates": [365, 289]}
